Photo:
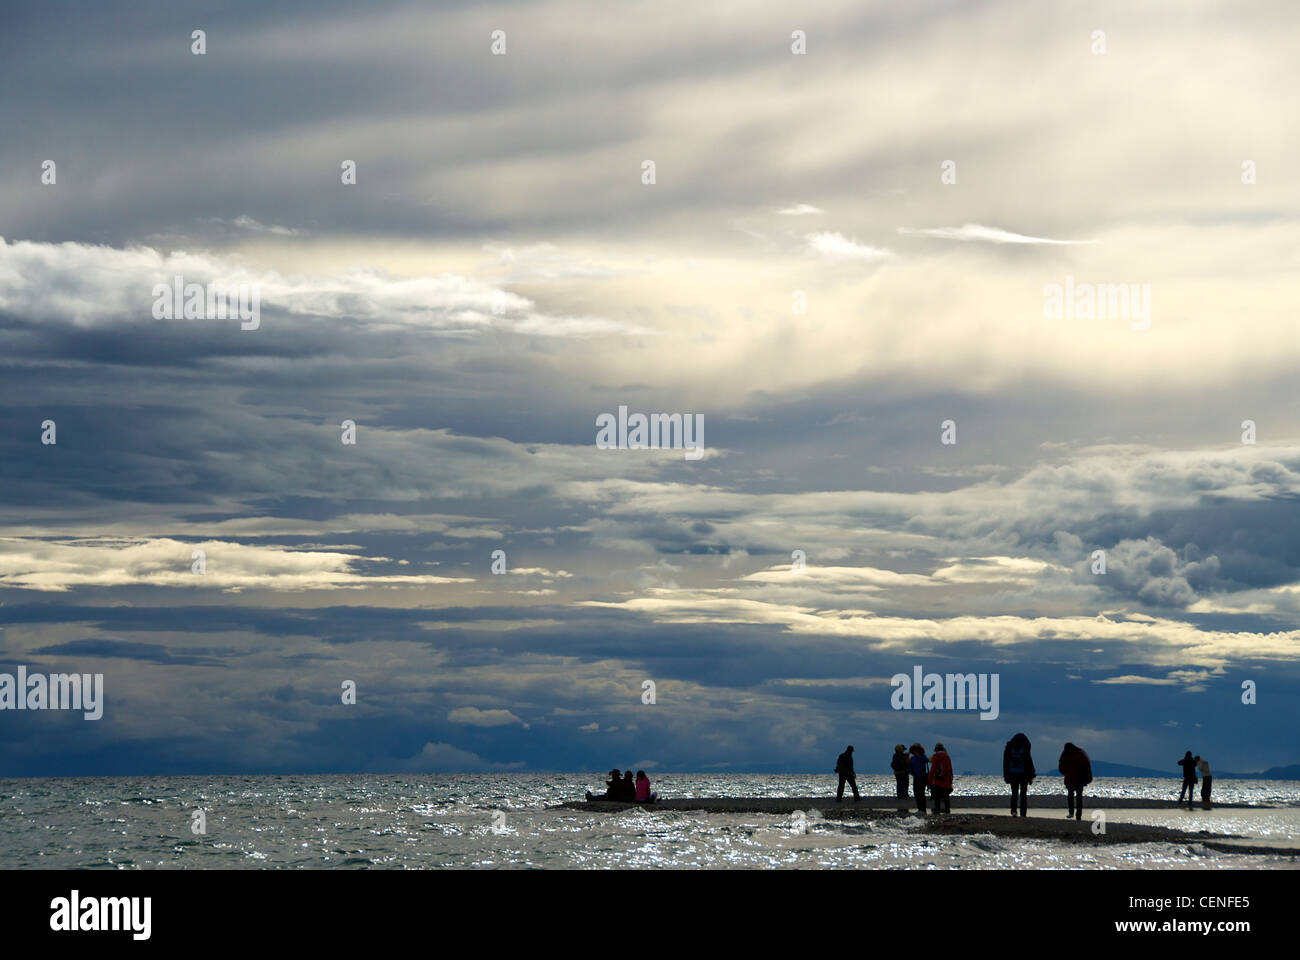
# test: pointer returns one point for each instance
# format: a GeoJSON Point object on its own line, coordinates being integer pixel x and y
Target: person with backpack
{"type": "Point", "coordinates": [919, 766]}
{"type": "Point", "coordinates": [1018, 771]}
{"type": "Point", "coordinates": [941, 779]}
{"type": "Point", "coordinates": [898, 763]}
{"type": "Point", "coordinates": [1188, 763]}
{"type": "Point", "coordinates": [1076, 768]}
{"type": "Point", "coordinates": [844, 767]}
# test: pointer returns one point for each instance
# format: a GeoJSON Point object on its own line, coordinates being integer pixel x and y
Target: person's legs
{"type": "Point", "coordinates": [839, 793]}
{"type": "Point", "coordinates": [1205, 791]}
{"type": "Point", "coordinates": [1024, 796]}
{"type": "Point", "coordinates": [1069, 802]}
{"type": "Point", "coordinates": [901, 784]}
{"type": "Point", "coordinates": [853, 782]}
{"type": "Point", "coordinates": [918, 788]}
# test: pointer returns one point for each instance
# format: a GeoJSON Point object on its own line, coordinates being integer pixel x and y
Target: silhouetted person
{"type": "Point", "coordinates": [613, 788]}
{"type": "Point", "coordinates": [628, 788]}
{"type": "Point", "coordinates": [844, 767]}
{"type": "Point", "coordinates": [1076, 768]}
{"type": "Point", "coordinates": [1188, 763]}
{"type": "Point", "coordinates": [898, 763]}
{"type": "Point", "coordinates": [941, 779]}
{"type": "Point", "coordinates": [643, 792]}
{"type": "Point", "coordinates": [1203, 768]}
{"type": "Point", "coordinates": [1018, 770]}
{"type": "Point", "coordinates": [919, 765]}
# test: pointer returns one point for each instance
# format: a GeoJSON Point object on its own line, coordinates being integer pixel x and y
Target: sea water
{"type": "Point", "coordinates": [510, 821]}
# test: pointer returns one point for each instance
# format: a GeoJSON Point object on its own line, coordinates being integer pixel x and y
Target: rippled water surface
{"type": "Point", "coordinates": [506, 821]}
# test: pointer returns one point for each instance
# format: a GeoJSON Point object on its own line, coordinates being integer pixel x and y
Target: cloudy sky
{"type": "Point", "coordinates": [840, 250]}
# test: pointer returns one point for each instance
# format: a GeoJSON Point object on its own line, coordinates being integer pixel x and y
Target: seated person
{"type": "Point", "coordinates": [613, 787]}
{"type": "Point", "coordinates": [643, 792]}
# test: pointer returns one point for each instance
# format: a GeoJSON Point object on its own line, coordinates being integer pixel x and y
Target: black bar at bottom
{"type": "Point", "coordinates": [368, 908]}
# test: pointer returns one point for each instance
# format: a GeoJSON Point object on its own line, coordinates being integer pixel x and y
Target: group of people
{"type": "Point", "coordinates": [933, 772]}
{"type": "Point", "coordinates": [912, 766]}
{"type": "Point", "coordinates": [1191, 767]}
{"type": "Point", "coordinates": [621, 787]}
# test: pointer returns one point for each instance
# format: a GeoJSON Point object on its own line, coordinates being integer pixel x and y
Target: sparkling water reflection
{"type": "Point", "coordinates": [509, 821]}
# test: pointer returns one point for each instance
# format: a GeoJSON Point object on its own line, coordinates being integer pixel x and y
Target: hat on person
{"type": "Point", "coordinates": [898, 748]}
{"type": "Point", "coordinates": [938, 747]}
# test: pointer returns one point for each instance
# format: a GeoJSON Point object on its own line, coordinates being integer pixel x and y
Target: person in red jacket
{"type": "Point", "coordinates": [941, 779]}
{"type": "Point", "coordinates": [1076, 768]}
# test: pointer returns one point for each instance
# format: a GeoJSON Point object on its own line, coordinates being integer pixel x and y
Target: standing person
{"type": "Point", "coordinates": [1203, 768]}
{"type": "Point", "coordinates": [1188, 763]}
{"type": "Point", "coordinates": [1076, 768]}
{"type": "Point", "coordinates": [898, 763]}
{"type": "Point", "coordinates": [919, 764]}
{"type": "Point", "coordinates": [1018, 770]}
{"type": "Point", "coordinates": [844, 767]}
{"type": "Point", "coordinates": [941, 779]}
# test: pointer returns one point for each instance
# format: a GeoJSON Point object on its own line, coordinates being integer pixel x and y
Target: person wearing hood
{"type": "Point", "coordinates": [898, 763]}
{"type": "Point", "coordinates": [919, 766]}
{"type": "Point", "coordinates": [1018, 771]}
{"type": "Point", "coordinates": [941, 779]}
{"type": "Point", "coordinates": [1076, 768]}
{"type": "Point", "coordinates": [844, 767]}
{"type": "Point", "coordinates": [1188, 763]}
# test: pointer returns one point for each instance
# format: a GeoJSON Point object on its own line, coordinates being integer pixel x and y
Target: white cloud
{"type": "Point", "coordinates": [245, 222]}
{"type": "Point", "coordinates": [59, 565]}
{"type": "Point", "coordinates": [837, 246]}
{"type": "Point", "coordinates": [974, 231]}
{"type": "Point", "coordinates": [92, 285]}
{"type": "Point", "coordinates": [475, 717]}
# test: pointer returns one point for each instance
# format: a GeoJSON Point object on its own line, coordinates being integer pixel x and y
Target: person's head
{"type": "Point", "coordinates": [616, 773]}
{"type": "Point", "coordinates": [1187, 754]}
{"type": "Point", "coordinates": [898, 748]}
{"type": "Point", "coordinates": [938, 748]}
{"type": "Point", "coordinates": [916, 748]}
{"type": "Point", "coordinates": [850, 749]}
{"type": "Point", "coordinates": [1197, 758]}
{"type": "Point", "coordinates": [1070, 748]}
{"type": "Point", "coordinates": [640, 774]}
{"type": "Point", "coordinates": [628, 775]}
